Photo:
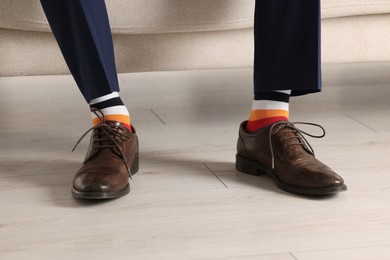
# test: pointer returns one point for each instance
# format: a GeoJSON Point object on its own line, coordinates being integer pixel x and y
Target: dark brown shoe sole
{"type": "Point", "coordinates": [107, 195]}
{"type": "Point", "coordinates": [254, 168]}
{"type": "Point", "coordinates": [100, 195]}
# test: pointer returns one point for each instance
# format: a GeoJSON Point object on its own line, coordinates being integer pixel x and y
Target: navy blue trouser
{"type": "Point", "coordinates": [287, 45]}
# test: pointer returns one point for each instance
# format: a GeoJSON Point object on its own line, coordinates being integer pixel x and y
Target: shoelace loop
{"type": "Point", "coordinates": [109, 131]}
{"type": "Point", "coordinates": [275, 128]}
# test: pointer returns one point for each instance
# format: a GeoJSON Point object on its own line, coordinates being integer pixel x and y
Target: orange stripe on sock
{"type": "Point", "coordinates": [253, 126]}
{"type": "Point", "coordinates": [119, 118]}
{"type": "Point", "coordinates": [261, 114]}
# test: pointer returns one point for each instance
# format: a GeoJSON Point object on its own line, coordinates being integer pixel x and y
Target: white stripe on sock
{"type": "Point", "coordinates": [269, 104]}
{"type": "Point", "coordinates": [104, 98]}
{"type": "Point", "coordinates": [115, 110]}
{"type": "Point", "coordinates": [288, 92]}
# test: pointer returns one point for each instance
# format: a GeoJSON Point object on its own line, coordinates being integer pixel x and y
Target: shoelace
{"type": "Point", "coordinates": [275, 128]}
{"type": "Point", "coordinates": [109, 131]}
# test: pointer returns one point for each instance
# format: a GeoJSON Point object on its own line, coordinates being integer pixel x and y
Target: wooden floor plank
{"type": "Point", "coordinates": [188, 201]}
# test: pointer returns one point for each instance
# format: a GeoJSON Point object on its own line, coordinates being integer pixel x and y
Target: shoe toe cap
{"type": "Point", "coordinates": [93, 182]}
{"type": "Point", "coordinates": [318, 177]}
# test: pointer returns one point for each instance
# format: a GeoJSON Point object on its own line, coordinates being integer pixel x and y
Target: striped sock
{"type": "Point", "coordinates": [112, 108]}
{"type": "Point", "coordinates": [268, 108]}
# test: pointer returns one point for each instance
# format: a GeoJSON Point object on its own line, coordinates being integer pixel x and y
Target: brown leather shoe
{"type": "Point", "coordinates": [281, 151]}
{"type": "Point", "coordinates": [112, 156]}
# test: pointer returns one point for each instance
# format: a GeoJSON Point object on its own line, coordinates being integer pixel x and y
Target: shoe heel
{"type": "Point", "coordinates": [135, 165]}
{"type": "Point", "coordinates": [247, 166]}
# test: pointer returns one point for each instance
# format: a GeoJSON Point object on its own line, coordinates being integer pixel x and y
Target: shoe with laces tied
{"type": "Point", "coordinates": [111, 159]}
{"type": "Point", "coordinates": [282, 152]}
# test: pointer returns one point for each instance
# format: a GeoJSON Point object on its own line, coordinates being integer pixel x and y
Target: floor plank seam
{"type": "Point", "coordinates": [205, 165]}
{"type": "Point", "coordinates": [158, 117]}
{"type": "Point", "coordinates": [361, 123]}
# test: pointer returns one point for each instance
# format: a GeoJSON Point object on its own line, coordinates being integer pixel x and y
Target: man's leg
{"type": "Point", "coordinates": [287, 63]}
{"type": "Point", "coordinates": [287, 46]}
{"type": "Point", "coordinates": [287, 57]}
{"type": "Point", "coordinates": [81, 28]}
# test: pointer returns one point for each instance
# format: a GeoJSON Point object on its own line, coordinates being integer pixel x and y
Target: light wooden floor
{"type": "Point", "coordinates": [188, 202]}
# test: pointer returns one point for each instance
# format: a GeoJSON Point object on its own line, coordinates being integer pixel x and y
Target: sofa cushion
{"type": "Point", "coordinates": [140, 16]}
{"type": "Point", "coordinates": [162, 16]}
{"type": "Point", "coordinates": [343, 8]}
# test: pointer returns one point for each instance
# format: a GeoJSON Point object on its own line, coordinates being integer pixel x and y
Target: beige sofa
{"type": "Point", "coordinates": [188, 34]}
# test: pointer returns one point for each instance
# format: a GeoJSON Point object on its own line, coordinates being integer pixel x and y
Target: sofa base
{"type": "Point", "coordinates": [347, 39]}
